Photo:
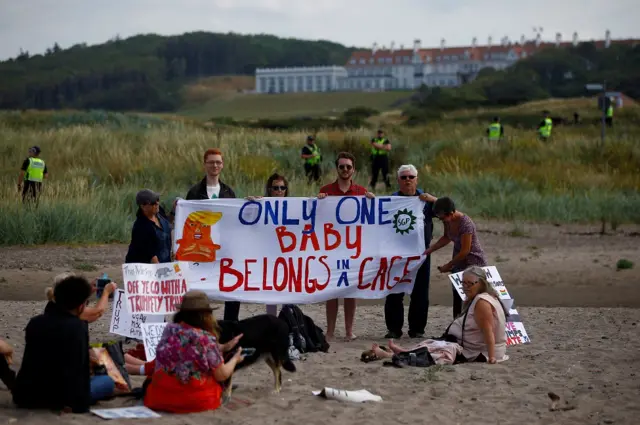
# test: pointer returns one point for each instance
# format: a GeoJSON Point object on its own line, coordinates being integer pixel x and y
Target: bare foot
{"type": "Point", "coordinates": [382, 354]}
{"type": "Point", "coordinates": [350, 337]}
{"type": "Point", "coordinates": [395, 348]}
{"type": "Point", "coordinates": [329, 337]}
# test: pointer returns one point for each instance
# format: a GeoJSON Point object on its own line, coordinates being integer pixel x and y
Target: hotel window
{"type": "Point", "coordinates": [309, 83]}
{"type": "Point", "coordinates": [319, 83]}
{"type": "Point", "coordinates": [291, 84]}
{"type": "Point", "coordinates": [300, 84]}
{"type": "Point", "coordinates": [353, 61]}
{"type": "Point", "coordinates": [327, 84]}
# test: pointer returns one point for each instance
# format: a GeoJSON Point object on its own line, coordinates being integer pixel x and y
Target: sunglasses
{"type": "Point", "coordinates": [282, 188]}
{"type": "Point", "coordinates": [345, 167]}
{"type": "Point", "coordinates": [407, 177]}
{"type": "Point", "coordinates": [468, 284]}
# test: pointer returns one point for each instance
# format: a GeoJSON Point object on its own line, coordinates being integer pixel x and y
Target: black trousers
{"type": "Point", "coordinates": [418, 307]}
{"type": "Point", "coordinates": [457, 301]}
{"type": "Point", "coordinates": [231, 310]}
{"type": "Point", "coordinates": [31, 191]}
{"type": "Point", "coordinates": [380, 163]}
{"type": "Point", "coordinates": [312, 172]}
{"type": "Point", "coordinates": [7, 376]}
{"type": "Point", "coordinates": [609, 121]}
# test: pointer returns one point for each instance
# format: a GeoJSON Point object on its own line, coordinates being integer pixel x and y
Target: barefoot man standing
{"type": "Point", "coordinates": [343, 186]}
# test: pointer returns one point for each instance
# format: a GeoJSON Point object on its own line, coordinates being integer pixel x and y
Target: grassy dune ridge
{"type": "Point", "coordinates": [98, 161]}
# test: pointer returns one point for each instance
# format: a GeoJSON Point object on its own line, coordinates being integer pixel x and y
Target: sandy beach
{"type": "Point", "coordinates": [581, 314]}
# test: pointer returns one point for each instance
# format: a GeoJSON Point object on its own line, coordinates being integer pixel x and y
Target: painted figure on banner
{"type": "Point", "coordinates": [196, 244]}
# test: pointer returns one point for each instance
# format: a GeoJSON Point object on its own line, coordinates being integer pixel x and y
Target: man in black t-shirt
{"type": "Point", "coordinates": [312, 159]}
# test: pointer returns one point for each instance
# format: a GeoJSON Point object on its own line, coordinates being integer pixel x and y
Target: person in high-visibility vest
{"type": "Point", "coordinates": [312, 159]}
{"type": "Point", "coordinates": [545, 127]}
{"type": "Point", "coordinates": [32, 174]}
{"type": "Point", "coordinates": [609, 115]}
{"type": "Point", "coordinates": [495, 131]}
{"type": "Point", "coordinates": [380, 148]}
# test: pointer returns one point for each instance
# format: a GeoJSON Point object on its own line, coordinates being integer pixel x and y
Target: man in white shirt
{"type": "Point", "coordinates": [211, 187]}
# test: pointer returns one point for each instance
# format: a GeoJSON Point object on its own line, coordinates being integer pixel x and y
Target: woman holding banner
{"type": "Point", "coordinates": [467, 251]}
{"type": "Point", "coordinates": [151, 232]}
{"type": "Point", "coordinates": [276, 186]}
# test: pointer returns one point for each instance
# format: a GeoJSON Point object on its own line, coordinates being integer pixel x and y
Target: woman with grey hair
{"type": "Point", "coordinates": [478, 333]}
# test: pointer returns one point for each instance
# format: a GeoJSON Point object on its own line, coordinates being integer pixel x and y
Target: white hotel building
{"type": "Point", "coordinates": [406, 69]}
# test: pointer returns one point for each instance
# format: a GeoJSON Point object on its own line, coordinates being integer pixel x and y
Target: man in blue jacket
{"type": "Point", "coordinates": [419, 305]}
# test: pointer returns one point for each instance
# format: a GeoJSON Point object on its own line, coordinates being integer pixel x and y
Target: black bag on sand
{"type": "Point", "coordinates": [294, 317]}
{"type": "Point", "coordinates": [316, 335]}
{"type": "Point", "coordinates": [420, 357]}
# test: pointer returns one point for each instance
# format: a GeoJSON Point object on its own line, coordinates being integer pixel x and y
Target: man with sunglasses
{"type": "Point", "coordinates": [419, 305]}
{"type": "Point", "coordinates": [343, 186]}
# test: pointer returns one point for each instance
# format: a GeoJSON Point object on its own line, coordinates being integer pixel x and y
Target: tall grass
{"type": "Point", "coordinates": [95, 171]}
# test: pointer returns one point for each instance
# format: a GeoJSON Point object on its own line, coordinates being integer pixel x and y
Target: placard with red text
{"type": "Point", "coordinates": [153, 288]}
{"type": "Point", "coordinates": [300, 250]}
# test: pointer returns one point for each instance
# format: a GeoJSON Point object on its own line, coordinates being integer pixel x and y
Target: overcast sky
{"type": "Point", "coordinates": [34, 25]}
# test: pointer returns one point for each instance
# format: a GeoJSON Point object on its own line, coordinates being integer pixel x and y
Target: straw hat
{"type": "Point", "coordinates": [196, 301]}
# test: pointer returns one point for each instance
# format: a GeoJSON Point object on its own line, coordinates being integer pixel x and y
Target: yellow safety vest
{"type": "Point", "coordinates": [314, 159]}
{"type": "Point", "coordinates": [494, 131]}
{"type": "Point", "coordinates": [545, 130]}
{"type": "Point", "coordinates": [375, 151]}
{"type": "Point", "coordinates": [610, 111]}
{"type": "Point", "coordinates": [35, 170]}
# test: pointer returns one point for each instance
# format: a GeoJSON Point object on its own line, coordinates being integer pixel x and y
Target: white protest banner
{"type": "Point", "coordinates": [153, 288]}
{"type": "Point", "coordinates": [300, 250]}
{"type": "Point", "coordinates": [151, 334]}
{"type": "Point", "coordinates": [515, 332]}
{"type": "Point", "coordinates": [125, 324]}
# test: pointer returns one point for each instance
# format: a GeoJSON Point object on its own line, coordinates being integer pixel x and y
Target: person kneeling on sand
{"type": "Point", "coordinates": [478, 333]}
{"type": "Point", "coordinates": [56, 370]}
{"type": "Point", "coordinates": [89, 314]}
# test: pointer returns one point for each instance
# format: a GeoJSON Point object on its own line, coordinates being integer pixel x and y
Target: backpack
{"type": "Point", "coordinates": [297, 330]}
{"type": "Point", "coordinates": [316, 335]}
{"type": "Point", "coordinates": [420, 357]}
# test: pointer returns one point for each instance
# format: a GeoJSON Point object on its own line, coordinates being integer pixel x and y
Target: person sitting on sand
{"type": "Point", "coordinates": [7, 376]}
{"type": "Point", "coordinates": [189, 362]}
{"type": "Point", "coordinates": [56, 371]}
{"type": "Point", "coordinates": [479, 330]}
{"type": "Point", "coordinates": [89, 314]}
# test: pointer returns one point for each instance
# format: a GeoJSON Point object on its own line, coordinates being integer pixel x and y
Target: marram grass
{"type": "Point", "coordinates": [95, 171]}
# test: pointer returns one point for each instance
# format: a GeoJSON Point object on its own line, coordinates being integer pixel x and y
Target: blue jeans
{"type": "Point", "coordinates": [102, 387]}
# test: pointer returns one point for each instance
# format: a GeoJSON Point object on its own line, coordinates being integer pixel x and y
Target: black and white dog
{"type": "Point", "coordinates": [269, 336]}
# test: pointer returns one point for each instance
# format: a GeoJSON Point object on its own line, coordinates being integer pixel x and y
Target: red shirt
{"type": "Point", "coordinates": [332, 189]}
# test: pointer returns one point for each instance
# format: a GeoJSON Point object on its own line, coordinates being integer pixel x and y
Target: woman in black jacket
{"type": "Point", "coordinates": [151, 232]}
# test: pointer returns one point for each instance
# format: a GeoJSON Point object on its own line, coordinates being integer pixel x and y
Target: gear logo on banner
{"type": "Point", "coordinates": [404, 221]}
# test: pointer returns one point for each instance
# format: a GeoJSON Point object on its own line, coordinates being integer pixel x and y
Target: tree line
{"type": "Point", "coordinates": [146, 72]}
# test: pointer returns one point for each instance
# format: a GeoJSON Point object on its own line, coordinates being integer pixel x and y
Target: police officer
{"type": "Point", "coordinates": [312, 159]}
{"type": "Point", "coordinates": [544, 129]}
{"type": "Point", "coordinates": [380, 148]}
{"type": "Point", "coordinates": [32, 173]}
{"type": "Point", "coordinates": [609, 115]}
{"type": "Point", "coordinates": [495, 131]}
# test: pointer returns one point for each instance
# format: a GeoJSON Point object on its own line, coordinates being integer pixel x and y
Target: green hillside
{"type": "Point", "coordinates": [248, 106]}
{"type": "Point", "coordinates": [147, 72]}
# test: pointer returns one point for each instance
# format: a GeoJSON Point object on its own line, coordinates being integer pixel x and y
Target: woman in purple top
{"type": "Point", "coordinates": [467, 250]}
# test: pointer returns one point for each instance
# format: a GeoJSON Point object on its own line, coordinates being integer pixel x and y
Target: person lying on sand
{"type": "Point", "coordinates": [478, 332]}
{"type": "Point", "coordinates": [7, 376]}
{"type": "Point", "coordinates": [89, 314]}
